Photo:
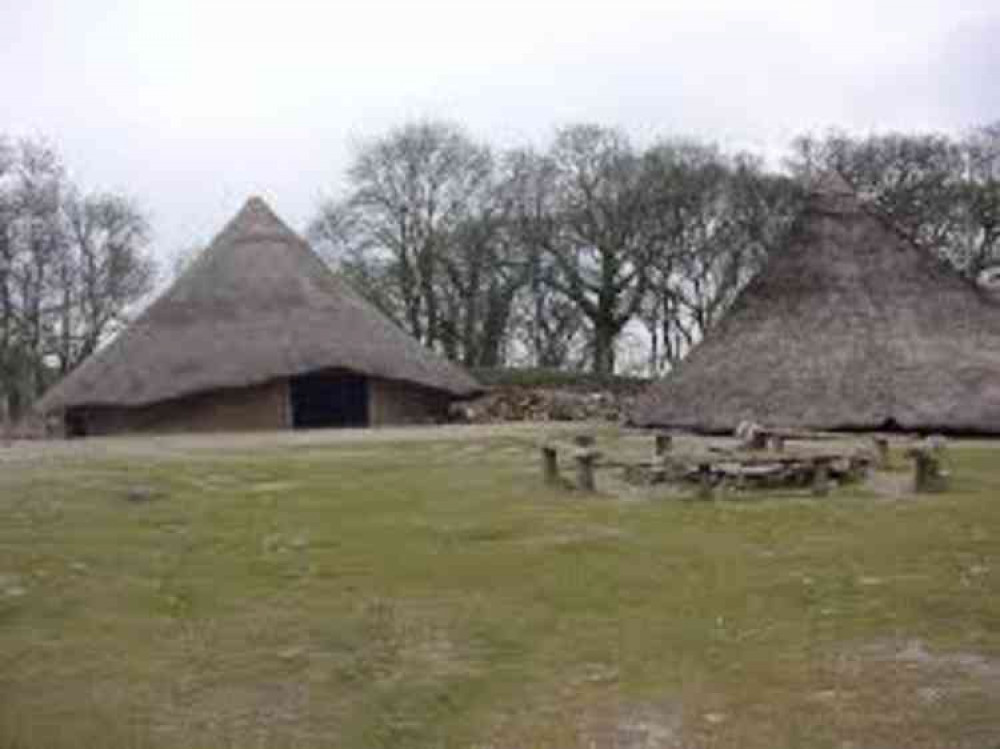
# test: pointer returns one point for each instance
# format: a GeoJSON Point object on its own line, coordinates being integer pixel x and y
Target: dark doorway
{"type": "Point", "coordinates": [329, 400]}
{"type": "Point", "coordinates": [76, 424]}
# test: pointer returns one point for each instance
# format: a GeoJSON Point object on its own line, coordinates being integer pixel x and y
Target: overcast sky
{"type": "Point", "coordinates": [193, 105]}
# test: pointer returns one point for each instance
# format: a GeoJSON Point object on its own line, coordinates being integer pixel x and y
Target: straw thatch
{"type": "Point", "coordinates": [257, 305]}
{"type": "Point", "coordinates": [849, 326]}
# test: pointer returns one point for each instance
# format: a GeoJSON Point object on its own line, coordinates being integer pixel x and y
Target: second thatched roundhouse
{"type": "Point", "coordinates": [257, 334]}
{"type": "Point", "coordinates": [849, 326]}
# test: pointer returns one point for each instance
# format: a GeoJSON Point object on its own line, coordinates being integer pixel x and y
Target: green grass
{"type": "Point", "coordinates": [433, 594]}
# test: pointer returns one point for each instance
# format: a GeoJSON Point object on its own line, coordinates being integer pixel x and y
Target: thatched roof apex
{"type": "Point", "coordinates": [848, 326]}
{"type": "Point", "coordinates": [256, 305]}
{"type": "Point", "coordinates": [829, 192]}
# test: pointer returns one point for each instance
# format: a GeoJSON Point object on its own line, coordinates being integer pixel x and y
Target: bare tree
{"type": "Point", "coordinates": [106, 271]}
{"type": "Point", "coordinates": [484, 271]}
{"type": "Point", "coordinates": [70, 267]}
{"type": "Point", "coordinates": [546, 322]}
{"type": "Point", "coordinates": [977, 248]}
{"type": "Point", "coordinates": [689, 189]}
{"type": "Point", "coordinates": [339, 236]}
{"type": "Point", "coordinates": [9, 357]}
{"type": "Point", "coordinates": [602, 246]}
{"type": "Point", "coordinates": [549, 254]}
{"type": "Point", "coordinates": [409, 192]}
{"type": "Point", "coordinates": [424, 232]}
{"type": "Point", "coordinates": [717, 217]}
{"type": "Point", "coordinates": [34, 248]}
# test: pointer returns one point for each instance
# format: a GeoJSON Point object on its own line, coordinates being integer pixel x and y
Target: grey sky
{"type": "Point", "coordinates": [191, 105]}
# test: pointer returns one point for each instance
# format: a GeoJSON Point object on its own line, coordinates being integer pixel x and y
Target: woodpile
{"type": "Point", "coordinates": [516, 403]}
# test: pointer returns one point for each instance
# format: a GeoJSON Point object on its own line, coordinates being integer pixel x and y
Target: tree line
{"type": "Point", "coordinates": [549, 257]}
{"type": "Point", "coordinates": [72, 264]}
{"type": "Point", "coordinates": [546, 256]}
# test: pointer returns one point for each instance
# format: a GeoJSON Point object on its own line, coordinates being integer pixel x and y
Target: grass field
{"type": "Point", "coordinates": [401, 592]}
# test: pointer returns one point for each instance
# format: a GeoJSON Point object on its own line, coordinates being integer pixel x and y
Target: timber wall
{"type": "Point", "coordinates": [258, 408]}
{"type": "Point", "coordinates": [255, 408]}
{"type": "Point", "coordinates": [399, 403]}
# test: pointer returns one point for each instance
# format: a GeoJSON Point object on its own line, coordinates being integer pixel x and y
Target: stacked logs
{"type": "Point", "coordinates": [545, 404]}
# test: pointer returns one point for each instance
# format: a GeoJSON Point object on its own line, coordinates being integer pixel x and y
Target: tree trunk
{"type": "Point", "coordinates": [604, 349]}
{"type": "Point", "coordinates": [495, 327]}
{"type": "Point", "coordinates": [652, 324]}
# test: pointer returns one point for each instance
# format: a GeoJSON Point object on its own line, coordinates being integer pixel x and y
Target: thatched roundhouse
{"type": "Point", "coordinates": [257, 334]}
{"type": "Point", "coordinates": [848, 327]}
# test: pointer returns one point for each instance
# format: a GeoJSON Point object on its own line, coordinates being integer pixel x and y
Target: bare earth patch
{"type": "Point", "coordinates": [901, 693]}
{"type": "Point", "coordinates": [891, 485]}
{"type": "Point", "coordinates": [593, 716]}
{"type": "Point", "coordinates": [955, 672]}
{"type": "Point", "coordinates": [634, 726]}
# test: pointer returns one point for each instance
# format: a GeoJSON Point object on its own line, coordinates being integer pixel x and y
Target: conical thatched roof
{"type": "Point", "coordinates": [849, 326]}
{"type": "Point", "coordinates": [257, 305]}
